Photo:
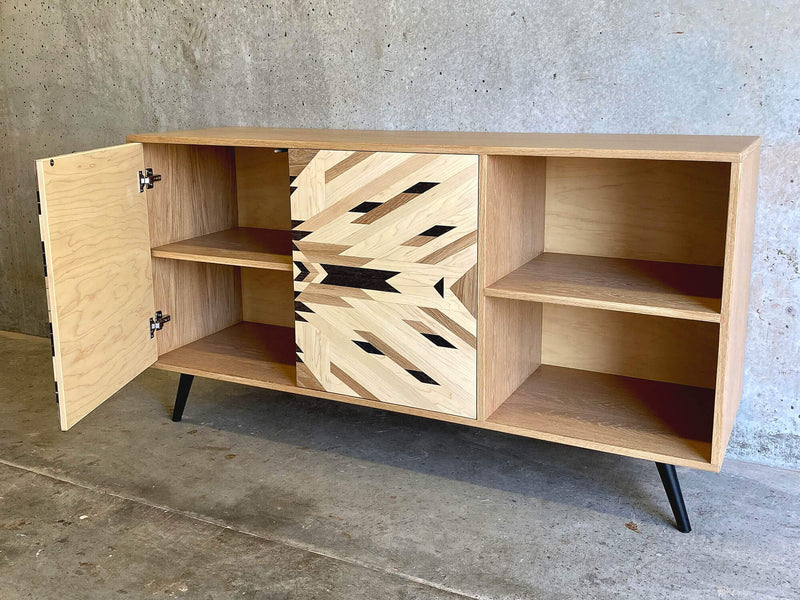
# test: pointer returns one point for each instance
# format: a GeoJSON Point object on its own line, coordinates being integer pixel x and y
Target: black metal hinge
{"type": "Point", "coordinates": [157, 323]}
{"type": "Point", "coordinates": [147, 179]}
{"type": "Point", "coordinates": [52, 341]}
{"type": "Point", "coordinates": [38, 203]}
{"type": "Point", "coordinates": [56, 392]}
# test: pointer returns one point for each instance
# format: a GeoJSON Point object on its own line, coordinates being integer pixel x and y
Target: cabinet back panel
{"type": "Point", "coordinates": [672, 211]}
{"type": "Point", "coordinates": [643, 346]}
{"type": "Point", "coordinates": [200, 298]}
{"type": "Point", "coordinates": [268, 297]}
{"type": "Point", "coordinates": [262, 188]}
{"type": "Point", "coordinates": [196, 194]}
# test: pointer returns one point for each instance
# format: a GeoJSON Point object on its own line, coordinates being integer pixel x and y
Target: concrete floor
{"type": "Point", "coordinates": [265, 495]}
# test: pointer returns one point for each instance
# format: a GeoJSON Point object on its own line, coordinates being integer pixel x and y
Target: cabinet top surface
{"type": "Point", "coordinates": [587, 145]}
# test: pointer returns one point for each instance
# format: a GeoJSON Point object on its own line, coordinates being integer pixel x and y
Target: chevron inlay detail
{"type": "Point", "coordinates": [385, 255]}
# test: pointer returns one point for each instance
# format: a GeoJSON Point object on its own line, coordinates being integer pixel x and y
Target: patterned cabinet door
{"type": "Point", "coordinates": [385, 260]}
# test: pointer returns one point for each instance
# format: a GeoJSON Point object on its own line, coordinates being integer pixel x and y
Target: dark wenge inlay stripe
{"type": "Point", "coordinates": [421, 187]}
{"type": "Point", "coordinates": [365, 207]}
{"type": "Point", "coordinates": [300, 307]}
{"type": "Point", "coordinates": [439, 287]}
{"type": "Point", "coordinates": [359, 277]}
{"type": "Point", "coordinates": [303, 271]}
{"type": "Point", "coordinates": [438, 230]}
{"type": "Point", "coordinates": [438, 340]}
{"type": "Point", "coordinates": [367, 347]}
{"type": "Point", "coordinates": [420, 376]}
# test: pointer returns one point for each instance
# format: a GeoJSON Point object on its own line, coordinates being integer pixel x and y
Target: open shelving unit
{"type": "Point", "coordinates": [221, 247]}
{"type": "Point", "coordinates": [603, 294]}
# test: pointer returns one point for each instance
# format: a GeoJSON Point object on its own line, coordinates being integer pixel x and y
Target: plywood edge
{"type": "Point", "coordinates": [273, 262]}
{"type": "Point", "coordinates": [481, 395]}
{"type": "Point", "coordinates": [41, 161]}
{"type": "Point", "coordinates": [656, 146]}
{"type": "Point", "coordinates": [735, 300]}
{"type": "Point", "coordinates": [44, 232]}
{"type": "Point", "coordinates": [705, 315]}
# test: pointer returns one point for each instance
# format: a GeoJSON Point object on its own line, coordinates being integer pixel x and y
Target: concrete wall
{"type": "Point", "coordinates": [79, 75]}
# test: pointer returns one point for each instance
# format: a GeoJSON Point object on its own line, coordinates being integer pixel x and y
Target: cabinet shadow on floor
{"type": "Point", "coordinates": [606, 483]}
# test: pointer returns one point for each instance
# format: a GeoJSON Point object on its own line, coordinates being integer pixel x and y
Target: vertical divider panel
{"type": "Point", "coordinates": [262, 195]}
{"type": "Point", "coordinates": [511, 232]}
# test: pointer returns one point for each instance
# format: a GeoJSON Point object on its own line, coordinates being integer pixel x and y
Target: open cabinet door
{"type": "Point", "coordinates": [96, 246]}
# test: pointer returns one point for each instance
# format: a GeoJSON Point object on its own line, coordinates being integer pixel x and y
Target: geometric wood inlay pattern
{"type": "Point", "coordinates": [385, 263]}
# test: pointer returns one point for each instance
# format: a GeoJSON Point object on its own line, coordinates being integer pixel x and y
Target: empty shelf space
{"type": "Point", "coordinates": [249, 353]}
{"type": "Point", "coordinates": [242, 247]}
{"type": "Point", "coordinates": [637, 286]}
{"type": "Point", "coordinates": [613, 413]}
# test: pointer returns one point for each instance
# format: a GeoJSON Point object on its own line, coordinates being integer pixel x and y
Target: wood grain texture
{"type": "Point", "coordinates": [262, 188]}
{"type": "Point", "coordinates": [673, 211]}
{"type": "Point", "coordinates": [201, 299]}
{"type": "Point", "coordinates": [670, 147]}
{"type": "Point", "coordinates": [352, 217]}
{"type": "Point", "coordinates": [513, 214]}
{"type": "Point", "coordinates": [670, 421]}
{"type": "Point", "coordinates": [267, 297]}
{"type": "Point", "coordinates": [196, 195]}
{"type": "Point", "coordinates": [736, 297]}
{"type": "Point", "coordinates": [244, 352]}
{"type": "Point", "coordinates": [645, 287]}
{"type": "Point", "coordinates": [511, 344]}
{"type": "Point", "coordinates": [208, 368]}
{"type": "Point", "coordinates": [241, 246]}
{"type": "Point", "coordinates": [643, 346]}
{"type": "Point", "coordinates": [512, 206]}
{"type": "Point", "coordinates": [94, 229]}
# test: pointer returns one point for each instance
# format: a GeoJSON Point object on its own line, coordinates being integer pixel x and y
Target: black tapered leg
{"type": "Point", "coordinates": [673, 488]}
{"type": "Point", "coordinates": [184, 385]}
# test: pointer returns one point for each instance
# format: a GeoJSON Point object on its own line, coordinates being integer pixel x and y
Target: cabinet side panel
{"type": "Point", "coordinates": [262, 188]}
{"type": "Point", "coordinates": [196, 194]}
{"type": "Point", "coordinates": [200, 298]}
{"type": "Point", "coordinates": [512, 207]}
{"type": "Point", "coordinates": [735, 299]}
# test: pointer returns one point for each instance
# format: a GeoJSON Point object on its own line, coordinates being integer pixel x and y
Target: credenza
{"type": "Point", "coordinates": [590, 290]}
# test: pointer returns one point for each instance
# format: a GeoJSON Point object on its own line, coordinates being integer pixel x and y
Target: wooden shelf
{"type": "Point", "coordinates": [249, 353]}
{"type": "Point", "coordinates": [241, 246]}
{"type": "Point", "coordinates": [637, 286]}
{"type": "Point", "coordinates": [613, 413]}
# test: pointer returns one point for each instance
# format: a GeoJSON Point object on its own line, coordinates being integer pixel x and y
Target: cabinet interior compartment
{"type": "Point", "coordinates": [639, 235]}
{"type": "Point", "coordinates": [221, 246]}
{"type": "Point", "coordinates": [602, 298]}
{"type": "Point", "coordinates": [636, 382]}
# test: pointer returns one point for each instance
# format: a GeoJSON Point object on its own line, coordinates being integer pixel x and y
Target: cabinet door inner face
{"type": "Point", "coordinates": [385, 261]}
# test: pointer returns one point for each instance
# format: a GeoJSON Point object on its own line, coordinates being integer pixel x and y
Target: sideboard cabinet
{"type": "Point", "coordinates": [590, 290]}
